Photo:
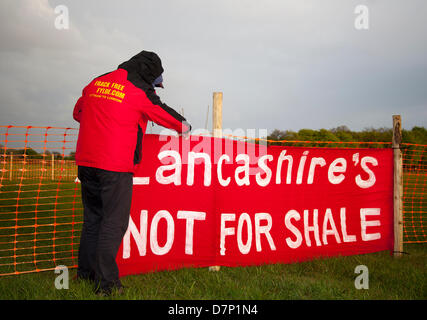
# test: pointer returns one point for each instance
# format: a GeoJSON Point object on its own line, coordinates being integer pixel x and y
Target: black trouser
{"type": "Point", "coordinates": [106, 197]}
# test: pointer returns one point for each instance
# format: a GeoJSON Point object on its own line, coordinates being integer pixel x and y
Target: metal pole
{"type": "Point", "coordinates": [207, 117]}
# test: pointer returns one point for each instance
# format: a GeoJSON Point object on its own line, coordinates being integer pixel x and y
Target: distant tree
{"type": "Point", "coordinates": [326, 135]}
{"type": "Point", "coordinates": [71, 156]}
{"type": "Point", "coordinates": [340, 129]}
{"type": "Point", "coordinates": [343, 135]}
{"type": "Point", "coordinates": [57, 155]}
{"type": "Point", "coordinates": [282, 135]}
{"type": "Point", "coordinates": [28, 152]}
{"type": "Point", "coordinates": [278, 135]}
{"type": "Point", "coordinates": [417, 135]}
{"type": "Point", "coordinates": [31, 152]}
{"type": "Point", "coordinates": [307, 135]}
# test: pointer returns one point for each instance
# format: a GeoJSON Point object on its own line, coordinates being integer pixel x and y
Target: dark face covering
{"type": "Point", "coordinates": [158, 82]}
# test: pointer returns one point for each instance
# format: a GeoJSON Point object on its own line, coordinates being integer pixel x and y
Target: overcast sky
{"type": "Point", "coordinates": [280, 64]}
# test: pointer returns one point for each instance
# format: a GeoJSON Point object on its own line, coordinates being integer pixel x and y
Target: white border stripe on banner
{"type": "Point", "coordinates": [141, 180]}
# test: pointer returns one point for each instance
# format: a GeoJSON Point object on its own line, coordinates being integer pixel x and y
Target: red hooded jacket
{"type": "Point", "coordinates": [113, 112]}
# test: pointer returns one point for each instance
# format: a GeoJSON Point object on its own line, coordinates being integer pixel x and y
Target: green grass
{"type": "Point", "coordinates": [333, 278]}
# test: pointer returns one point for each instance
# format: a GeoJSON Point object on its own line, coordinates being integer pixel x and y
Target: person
{"type": "Point", "coordinates": [113, 112]}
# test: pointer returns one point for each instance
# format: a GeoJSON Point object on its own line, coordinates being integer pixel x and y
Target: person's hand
{"type": "Point", "coordinates": [185, 135]}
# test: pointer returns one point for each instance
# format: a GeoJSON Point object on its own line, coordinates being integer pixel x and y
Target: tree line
{"type": "Point", "coordinates": [33, 154]}
{"type": "Point", "coordinates": [415, 155]}
{"type": "Point", "coordinates": [417, 135]}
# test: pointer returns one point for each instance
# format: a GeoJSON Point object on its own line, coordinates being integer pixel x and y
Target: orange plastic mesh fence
{"type": "Point", "coordinates": [40, 205]}
{"type": "Point", "coordinates": [414, 192]}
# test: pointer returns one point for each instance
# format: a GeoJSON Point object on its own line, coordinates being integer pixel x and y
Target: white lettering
{"type": "Point", "coordinates": [314, 162]}
{"type": "Point", "coordinates": [282, 158]}
{"type": "Point", "coordinates": [62, 21]}
{"type": "Point", "coordinates": [337, 166]}
{"type": "Point", "coordinates": [190, 216]}
{"type": "Point", "coordinates": [244, 248]}
{"type": "Point", "coordinates": [263, 230]}
{"type": "Point", "coordinates": [261, 163]}
{"type": "Point", "coordinates": [371, 179]}
{"type": "Point", "coordinates": [293, 214]}
{"type": "Point", "coordinates": [345, 236]}
{"type": "Point", "coordinates": [362, 20]}
{"type": "Point", "coordinates": [301, 167]}
{"type": "Point", "coordinates": [170, 234]}
{"type": "Point", "coordinates": [243, 168]}
{"type": "Point", "coordinates": [140, 237]}
{"type": "Point", "coordinates": [374, 223]}
{"type": "Point", "coordinates": [314, 228]}
{"type": "Point", "coordinates": [222, 182]}
{"type": "Point", "coordinates": [176, 176]}
{"type": "Point", "coordinates": [333, 231]}
{"type": "Point", "coordinates": [226, 231]}
{"type": "Point", "coordinates": [208, 168]}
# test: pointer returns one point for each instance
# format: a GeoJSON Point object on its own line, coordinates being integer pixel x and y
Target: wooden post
{"type": "Point", "coordinates": [398, 186]}
{"type": "Point", "coordinates": [53, 166]}
{"type": "Point", "coordinates": [216, 131]}
{"type": "Point", "coordinates": [217, 115]}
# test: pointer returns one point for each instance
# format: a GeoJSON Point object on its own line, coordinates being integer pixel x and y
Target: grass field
{"type": "Point", "coordinates": [333, 278]}
{"type": "Point", "coordinates": [39, 221]}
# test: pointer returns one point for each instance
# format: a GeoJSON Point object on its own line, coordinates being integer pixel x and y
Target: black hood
{"type": "Point", "coordinates": [143, 69]}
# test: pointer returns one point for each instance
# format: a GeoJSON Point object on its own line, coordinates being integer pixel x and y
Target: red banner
{"type": "Point", "coordinates": [209, 201]}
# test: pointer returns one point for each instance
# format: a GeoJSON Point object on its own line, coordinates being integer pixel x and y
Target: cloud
{"type": "Point", "coordinates": [30, 24]}
{"type": "Point", "coordinates": [44, 69]}
{"type": "Point", "coordinates": [280, 64]}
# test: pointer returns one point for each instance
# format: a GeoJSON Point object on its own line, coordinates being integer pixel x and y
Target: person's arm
{"type": "Point", "coordinates": [78, 109]}
{"type": "Point", "coordinates": [164, 115]}
{"type": "Point", "coordinates": [79, 106]}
